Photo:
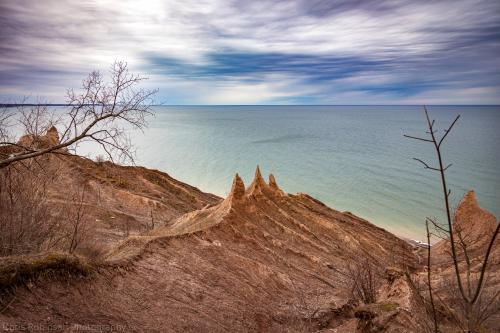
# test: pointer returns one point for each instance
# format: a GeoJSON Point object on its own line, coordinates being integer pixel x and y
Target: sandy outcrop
{"type": "Point", "coordinates": [258, 185]}
{"type": "Point", "coordinates": [51, 138]}
{"type": "Point", "coordinates": [472, 225]}
{"type": "Point", "coordinates": [273, 185]}
{"type": "Point", "coordinates": [237, 189]}
{"type": "Point", "coordinates": [474, 222]}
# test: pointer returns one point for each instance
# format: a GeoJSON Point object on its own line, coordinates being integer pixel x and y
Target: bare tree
{"type": "Point", "coordinates": [77, 220]}
{"type": "Point", "coordinates": [31, 221]}
{"type": "Point", "coordinates": [470, 295]}
{"type": "Point", "coordinates": [27, 224]}
{"type": "Point", "coordinates": [101, 113]}
{"type": "Point", "coordinates": [36, 120]}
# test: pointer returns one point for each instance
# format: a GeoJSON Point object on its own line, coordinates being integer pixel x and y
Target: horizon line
{"type": "Point", "coordinates": [198, 105]}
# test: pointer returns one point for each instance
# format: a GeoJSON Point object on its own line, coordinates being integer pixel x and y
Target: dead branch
{"type": "Point", "coordinates": [101, 113]}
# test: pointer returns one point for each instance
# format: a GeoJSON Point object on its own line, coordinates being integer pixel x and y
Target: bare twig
{"type": "Point", "coordinates": [426, 165]}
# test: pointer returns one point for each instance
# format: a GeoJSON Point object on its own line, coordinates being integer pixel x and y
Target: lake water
{"type": "Point", "coordinates": [353, 158]}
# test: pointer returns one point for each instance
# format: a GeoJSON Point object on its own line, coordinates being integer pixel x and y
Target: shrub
{"type": "Point", "coordinates": [363, 278]}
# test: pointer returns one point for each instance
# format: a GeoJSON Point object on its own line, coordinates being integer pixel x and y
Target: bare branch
{"type": "Point", "coordinates": [416, 138]}
{"type": "Point", "coordinates": [436, 225]}
{"type": "Point", "coordinates": [425, 164]}
{"type": "Point", "coordinates": [448, 130]}
{"type": "Point", "coordinates": [100, 113]}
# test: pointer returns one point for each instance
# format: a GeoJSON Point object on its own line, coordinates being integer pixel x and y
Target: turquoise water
{"type": "Point", "coordinates": [353, 158]}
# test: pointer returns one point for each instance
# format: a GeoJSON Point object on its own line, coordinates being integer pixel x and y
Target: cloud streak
{"type": "Point", "coordinates": [241, 52]}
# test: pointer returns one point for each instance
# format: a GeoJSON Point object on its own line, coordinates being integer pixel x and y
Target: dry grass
{"type": "Point", "coordinates": [375, 309]}
{"type": "Point", "coordinates": [15, 270]}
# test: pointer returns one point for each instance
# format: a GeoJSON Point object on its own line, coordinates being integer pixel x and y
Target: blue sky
{"type": "Point", "coordinates": [258, 52]}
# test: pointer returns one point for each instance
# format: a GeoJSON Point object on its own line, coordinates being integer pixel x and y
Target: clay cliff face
{"type": "Point", "coordinates": [260, 260]}
{"type": "Point", "coordinates": [122, 197]}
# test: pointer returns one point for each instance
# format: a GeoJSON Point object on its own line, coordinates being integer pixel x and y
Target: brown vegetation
{"type": "Point", "coordinates": [363, 278]}
{"type": "Point", "coordinates": [15, 270]}
{"type": "Point", "coordinates": [27, 220]}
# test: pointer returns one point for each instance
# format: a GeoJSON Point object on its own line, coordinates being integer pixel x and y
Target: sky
{"type": "Point", "coordinates": [258, 52]}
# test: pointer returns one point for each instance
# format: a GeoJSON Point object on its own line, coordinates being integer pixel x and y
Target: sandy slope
{"type": "Point", "coordinates": [261, 260]}
{"type": "Point", "coordinates": [120, 200]}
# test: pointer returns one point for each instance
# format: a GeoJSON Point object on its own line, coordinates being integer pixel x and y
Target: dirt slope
{"type": "Point", "coordinates": [259, 261]}
{"type": "Point", "coordinates": [122, 200]}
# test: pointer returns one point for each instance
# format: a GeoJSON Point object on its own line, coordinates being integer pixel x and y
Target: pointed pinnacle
{"type": "Point", "coordinates": [238, 187]}
{"type": "Point", "coordinates": [272, 182]}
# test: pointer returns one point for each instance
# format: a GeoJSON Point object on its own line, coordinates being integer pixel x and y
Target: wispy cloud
{"type": "Point", "coordinates": [259, 51]}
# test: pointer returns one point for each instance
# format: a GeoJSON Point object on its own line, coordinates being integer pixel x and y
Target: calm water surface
{"type": "Point", "coordinates": [353, 158]}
